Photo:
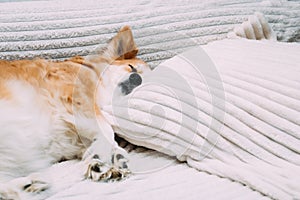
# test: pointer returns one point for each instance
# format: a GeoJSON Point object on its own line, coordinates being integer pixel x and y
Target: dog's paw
{"type": "Point", "coordinates": [36, 186]}
{"type": "Point", "coordinates": [255, 28]}
{"type": "Point", "coordinates": [7, 194]}
{"type": "Point", "coordinates": [100, 171]}
{"type": "Point", "coordinates": [96, 169]}
{"type": "Point", "coordinates": [120, 161]}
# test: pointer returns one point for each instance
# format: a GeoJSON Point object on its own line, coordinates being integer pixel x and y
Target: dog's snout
{"type": "Point", "coordinates": [135, 79]}
{"type": "Point", "coordinates": [132, 82]}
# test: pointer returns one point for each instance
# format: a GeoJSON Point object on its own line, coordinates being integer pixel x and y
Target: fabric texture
{"type": "Point", "coordinates": [249, 134]}
{"type": "Point", "coordinates": [61, 29]}
{"type": "Point", "coordinates": [155, 176]}
{"type": "Point", "coordinates": [259, 146]}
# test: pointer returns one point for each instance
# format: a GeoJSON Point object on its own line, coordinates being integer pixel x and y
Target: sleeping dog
{"type": "Point", "coordinates": [50, 111]}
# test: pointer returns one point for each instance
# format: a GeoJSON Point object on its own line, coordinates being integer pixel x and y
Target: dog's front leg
{"type": "Point", "coordinates": [105, 160]}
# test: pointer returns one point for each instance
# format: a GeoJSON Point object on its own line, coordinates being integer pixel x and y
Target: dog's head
{"type": "Point", "coordinates": [118, 67]}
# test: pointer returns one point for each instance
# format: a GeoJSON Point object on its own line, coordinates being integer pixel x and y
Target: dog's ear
{"type": "Point", "coordinates": [124, 44]}
{"type": "Point", "coordinates": [121, 46]}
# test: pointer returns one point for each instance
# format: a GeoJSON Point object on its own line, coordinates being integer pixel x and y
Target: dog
{"type": "Point", "coordinates": [51, 112]}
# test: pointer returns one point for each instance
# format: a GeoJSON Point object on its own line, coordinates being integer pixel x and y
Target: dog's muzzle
{"type": "Point", "coordinates": [133, 81]}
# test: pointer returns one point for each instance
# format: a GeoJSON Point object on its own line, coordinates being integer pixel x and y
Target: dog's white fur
{"type": "Point", "coordinates": [40, 127]}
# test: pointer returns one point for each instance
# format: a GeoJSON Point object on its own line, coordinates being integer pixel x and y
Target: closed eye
{"type": "Point", "coordinates": [133, 69]}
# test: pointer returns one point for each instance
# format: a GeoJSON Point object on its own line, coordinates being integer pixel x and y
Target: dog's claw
{"type": "Point", "coordinates": [36, 187]}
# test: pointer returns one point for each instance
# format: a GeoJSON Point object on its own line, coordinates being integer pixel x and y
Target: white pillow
{"type": "Point", "coordinates": [236, 117]}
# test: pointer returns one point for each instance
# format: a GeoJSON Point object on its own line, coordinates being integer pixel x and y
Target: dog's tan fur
{"type": "Point", "coordinates": [67, 89]}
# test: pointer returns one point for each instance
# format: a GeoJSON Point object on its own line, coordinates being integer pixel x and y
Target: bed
{"type": "Point", "coordinates": [262, 108]}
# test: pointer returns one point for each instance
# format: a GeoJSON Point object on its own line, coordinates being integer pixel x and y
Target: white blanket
{"type": "Point", "coordinates": [155, 177]}
{"type": "Point", "coordinates": [63, 28]}
{"type": "Point", "coordinates": [240, 121]}
{"type": "Point", "coordinates": [60, 29]}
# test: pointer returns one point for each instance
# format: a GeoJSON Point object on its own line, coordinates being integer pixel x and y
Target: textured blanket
{"type": "Point", "coordinates": [63, 28]}
{"type": "Point", "coordinates": [237, 119]}
{"type": "Point", "coordinates": [252, 137]}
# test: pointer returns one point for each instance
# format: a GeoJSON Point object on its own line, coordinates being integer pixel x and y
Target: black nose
{"type": "Point", "coordinates": [135, 79]}
{"type": "Point", "coordinates": [132, 82]}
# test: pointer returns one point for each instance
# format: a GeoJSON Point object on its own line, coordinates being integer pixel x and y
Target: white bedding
{"type": "Point", "coordinates": [261, 81]}
{"type": "Point", "coordinates": [156, 177]}
{"type": "Point", "coordinates": [254, 127]}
